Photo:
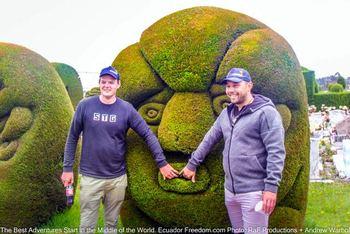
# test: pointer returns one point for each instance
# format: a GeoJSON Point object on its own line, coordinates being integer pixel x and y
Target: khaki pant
{"type": "Point", "coordinates": [92, 191]}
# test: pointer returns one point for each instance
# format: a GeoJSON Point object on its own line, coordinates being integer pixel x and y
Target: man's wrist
{"type": "Point", "coordinates": [162, 164]}
{"type": "Point", "coordinates": [67, 169]}
{"type": "Point", "coordinates": [271, 188]}
{"type": "Point", "coordinates": [191, 166]}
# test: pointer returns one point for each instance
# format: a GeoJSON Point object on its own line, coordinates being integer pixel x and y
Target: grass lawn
{"type": "Point", "coordinates": [328, 207]}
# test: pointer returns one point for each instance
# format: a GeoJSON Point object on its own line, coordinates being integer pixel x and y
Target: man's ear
{"type": "Point", "coordinates": [251, 85]}
{"type": "Point", "coordinates": [118, 84]}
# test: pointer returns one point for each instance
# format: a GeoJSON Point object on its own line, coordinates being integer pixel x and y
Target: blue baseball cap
{"type": "Point", "coordinates": [237, 75]}
{"type": "Point", "coordinates": [110, 71]}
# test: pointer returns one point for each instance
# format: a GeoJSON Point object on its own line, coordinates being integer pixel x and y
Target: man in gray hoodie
{"type": "Point", "coordinates": [253, 155]}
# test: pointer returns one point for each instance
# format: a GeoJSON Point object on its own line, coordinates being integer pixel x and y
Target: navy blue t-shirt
{"type": "Point", "coordinates": [104, 128]}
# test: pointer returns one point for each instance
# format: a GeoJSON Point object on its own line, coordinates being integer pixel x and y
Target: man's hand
{"type": "Point", "coordinates": [188, 174]}
{"type": "Point", "coordinates": [269, 201]}
{"type": "Point", "coordinates": [67, 178]}
{"type": "Point", "coordinates": [168, 172]}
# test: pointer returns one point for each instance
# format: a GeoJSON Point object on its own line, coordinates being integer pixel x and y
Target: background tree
{"type": "Point", "coordinates": [341, 81]}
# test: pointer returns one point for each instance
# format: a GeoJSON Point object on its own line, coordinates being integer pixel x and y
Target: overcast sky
{"type": "Point", "coordinates": [88, 34]}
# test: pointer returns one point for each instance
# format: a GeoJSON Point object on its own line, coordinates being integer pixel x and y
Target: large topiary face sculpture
{"type": "Point", "coordinates": [172, 77]}
{"type": "Point", "coordinates": [35, 113]}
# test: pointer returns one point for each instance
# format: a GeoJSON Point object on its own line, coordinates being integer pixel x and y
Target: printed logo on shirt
{"type": "Point", "coordinates": [105, 117]}
{"type": "Point", "coordinates": [97, 116]}
{"type": "Point", "coordinates": [112, 118]}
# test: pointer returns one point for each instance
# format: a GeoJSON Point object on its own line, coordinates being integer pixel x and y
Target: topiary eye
{"type": "Point", "coordinates": [152, 112]}
{"type": "Point", "coordinates": [220, 103]}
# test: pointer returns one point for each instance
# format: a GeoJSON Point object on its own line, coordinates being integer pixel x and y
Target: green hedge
{"type": "Point", "coordinates": [71, 80]}
{"type": "Point", "coordinates": [332, 99]}
{"type": "Point", "coordinates": [93, 91]}
{"type": "Point", "coordinates": [341, 81]}
{"type": "Point", "coordinates": [335, 88]}
{"type": "Point", "coordinates": [310, 83]}
{"type": "Point", "coordinates": [336, 97]}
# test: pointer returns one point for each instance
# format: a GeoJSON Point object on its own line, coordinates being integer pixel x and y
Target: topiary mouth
{"type": "Point", "coordinates": [183, 185]}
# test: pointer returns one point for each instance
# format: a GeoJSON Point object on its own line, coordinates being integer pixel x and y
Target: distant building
{"type": "Point", "coordinates": [325, 81]}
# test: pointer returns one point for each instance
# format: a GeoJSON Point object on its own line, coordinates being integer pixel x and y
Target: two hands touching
{"type": "Point", "coordinates": [169, 172]}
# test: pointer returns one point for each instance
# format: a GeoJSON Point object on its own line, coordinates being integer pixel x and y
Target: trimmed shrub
{"type": "Point", "coordinates": [285, 114]}
{"type": "Point", "coordinates": [341, 81]}
{"type": "Point", "coordinates": [216, 90]}
{"type": "Point", "coordinates": [332, 99]}
{"type": "Point", "coordinates": [137, 79]}
{"type": "Point", "coordinates": [35, 112]}
{"type": "Point", "coordinates": [317, 87]}
{"type": "Point", "coordinates": [335, 88]}
{"type": "Point", "coordinates": [220, 103]}
{"type": "Point", "coordinates": [92, 92]}
{"type": "Point", "coordinates": [71, 80]}
{"type": "Point", "coordinates": [311, 85]}
{"type": "Point", "coordinates": [191, 50]}
{"type": "Point", "coordinates": [208, 32]}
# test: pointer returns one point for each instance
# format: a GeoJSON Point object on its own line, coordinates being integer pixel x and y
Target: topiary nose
{"type": "Point", "coordinates": [186, 119]}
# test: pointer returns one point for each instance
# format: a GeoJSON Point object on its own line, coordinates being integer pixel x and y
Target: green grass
{"type": "Point", "coordinates": [328, 207]}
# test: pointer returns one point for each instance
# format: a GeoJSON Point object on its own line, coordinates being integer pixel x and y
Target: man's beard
{"type": "Point", "coordinates": [241, 99]}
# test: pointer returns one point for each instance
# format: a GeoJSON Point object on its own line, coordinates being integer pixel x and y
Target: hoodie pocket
{"type": "Point", "coordinates": [248, 167]}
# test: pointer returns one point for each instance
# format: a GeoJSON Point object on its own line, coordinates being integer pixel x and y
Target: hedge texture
{"type": "Point", "coordinates": [335, 88]}
{"type": "Point", "coordinates": [35, 112]}
{"type": "Point", "coordinates": [311, 84]}
{"type": "Point", "coordinates": [189, 52]}
{"type": "Point", "coordinates": [332, 99]}
{"type": "Point", "coordinates": [336, 97]}
{"type": "Point", "coordinates": [71, 80]}
{"type": "Point", "coordinates": [93, 91]}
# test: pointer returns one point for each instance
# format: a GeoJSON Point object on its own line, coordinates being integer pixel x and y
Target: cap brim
{"type": "Point", "coordinates": [232, 79]}
{"type": "Point", "coordinates": [110, 74]}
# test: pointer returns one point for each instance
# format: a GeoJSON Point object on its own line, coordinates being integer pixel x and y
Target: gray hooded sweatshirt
{"type": "Point", "coordinates": [254, 152]}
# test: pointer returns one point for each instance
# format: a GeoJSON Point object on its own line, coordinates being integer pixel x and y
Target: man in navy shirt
{"type": "Point", "coordinates": [104, 121]}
